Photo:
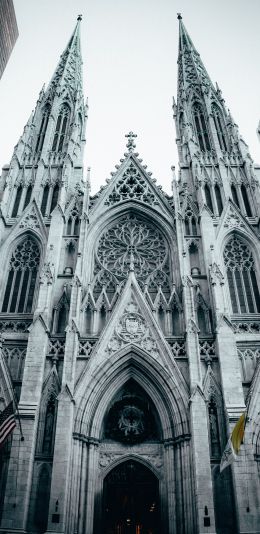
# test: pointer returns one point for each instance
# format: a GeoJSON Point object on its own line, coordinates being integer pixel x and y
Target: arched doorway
{"type": "Point", "coordinates": [131, 500]}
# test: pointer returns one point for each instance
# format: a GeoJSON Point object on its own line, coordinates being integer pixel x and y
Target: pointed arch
{"type": "Point", "coordinates": [61, 314]}
{"type": "Point", "coordinates": [22, 277]}
{"type": "Point", "coordinates": [48, 413]}
{"type": "Point", "coordinates": [241, 276]}
{"type": "Point", "coordinates": [61, 130]}
{"type": "Point", "coordinates": [169, 396]}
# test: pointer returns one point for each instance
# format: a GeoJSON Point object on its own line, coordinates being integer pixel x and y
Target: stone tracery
{"type": "Point", "coordinates": [132, 244]}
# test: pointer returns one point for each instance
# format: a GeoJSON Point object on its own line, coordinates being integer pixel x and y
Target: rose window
{"type": "Point", "coordinates": [132, 244]}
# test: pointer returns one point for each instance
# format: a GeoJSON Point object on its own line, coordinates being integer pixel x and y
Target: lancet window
{"type": "Point", "coordinates": [219, 126]}
{"type": "Point", "coordinates": [246, 200]}
{"type": "Point", "coordinates": [49, 199]}
{"type": "Point", "coordinates": [208, 198]}
{"type": "Point", "coordinates": [43, 128]}
{"type": "Point", "coordinates": [201, 127]}
{"type": "Point", "coordinates": [49, 424]}
{"type": "Point", "coordinates": [190, 222]}
{"type": "Point", "coordinates": [241, 276]}
{"type": "Point", "coordinates": [17, 201]}
{"type": "Point", "coordinates": [22, 277]}
{"type": "Point", "coordinates": [218, 199]}
{"type": "Point", "coordinates": [234, 195]}
{"type": "Point", "coordinates": [73, 223]}
{"type": "Point", "coordinates": [61, 128]}
{"type": "Point", "coordinates": [27, 196]}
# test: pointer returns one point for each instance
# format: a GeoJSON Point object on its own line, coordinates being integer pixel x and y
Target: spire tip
{"type": "Point", "coordinates": [79, 17]}
{"type": "Point", "coordinates": [179, 17]}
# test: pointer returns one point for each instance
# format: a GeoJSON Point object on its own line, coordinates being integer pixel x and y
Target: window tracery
{"type": "Point", "coordinates": [242, 282]}
{"type": "Point", "coordinates": [22, 277]}
{"type": "Point", "coordinates": [73, 222]}
{"type": "Point", "coordinates": [190, 222]}
{"type": "Point", "coordinates": [132, 243]}
{"type": "Point", "coordinates": [61, 128]}
{"type": "Point", "coordinates": [132, 186]}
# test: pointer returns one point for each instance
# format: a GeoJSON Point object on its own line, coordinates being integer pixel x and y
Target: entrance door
{"type": "Point", "coordinates": [131, 500]}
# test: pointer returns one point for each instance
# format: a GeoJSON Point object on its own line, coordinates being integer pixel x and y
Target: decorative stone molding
{"type": "Point", "coordinates": [132, 328]}
{"type": "Point", "coordinates": [216, 275]}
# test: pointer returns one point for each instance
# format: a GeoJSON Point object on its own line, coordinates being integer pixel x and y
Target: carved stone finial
{"type": "Point", "coordinates": [179, 17]}
{"type": "Point", "coordinates": [79, 17]}
{"type": "Point", "coordinates": [130, 143]}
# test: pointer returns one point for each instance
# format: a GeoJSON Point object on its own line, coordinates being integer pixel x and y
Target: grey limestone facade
{"type": "Point", "coordinates": [130, 323]}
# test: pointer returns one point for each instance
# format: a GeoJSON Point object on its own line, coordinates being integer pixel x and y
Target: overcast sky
{"type": "Point", "coordinates": [129, 50]}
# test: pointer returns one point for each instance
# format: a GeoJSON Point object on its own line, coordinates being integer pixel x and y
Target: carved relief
{"type": "Point", "coordinates": [132, 328]}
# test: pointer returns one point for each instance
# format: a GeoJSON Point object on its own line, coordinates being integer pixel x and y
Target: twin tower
{"type": "Point", "coordinates": [130, 323]}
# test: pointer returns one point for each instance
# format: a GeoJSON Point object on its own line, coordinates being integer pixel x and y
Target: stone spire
{"type": "Point", "coordinates": [68, 73]}
{"type": "Point", "coordinates": [192, 72]}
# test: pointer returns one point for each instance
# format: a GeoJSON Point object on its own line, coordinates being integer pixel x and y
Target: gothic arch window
{"type": "Point", "coordinates": [43, 128]}
{"type": "Point", "coordinates": [22, 276]}
{"type": "Point", "coordinates": [45, 197]}
{"type": "Point", "coordinates": [27, 196]}
{"type": "Point", "coordinates": [246, 200]}
{"type": "Point", "coordinates": [218, 199]}
{"type": "Point", "coordinates": [42, 499]}
{"type": "Point", "coordinates": [208, 198]}
{"type": "Point", "coordinates": [73, 223]}
{"type": "Point", "coordinates": [215, 449]}
{"type": "Point", "coordinates": [234, 195]}
{"type": "Point", "coordinates": [17, 201]}
{"type": "Point", "coordinates": [190, 222]}
{"type": "Point", "coordinates": [201, 127]}
{"type": "Point", "coordinates": [219, 126]}
{"type": "Point", "coordinates": [61, 128]}
{"type": "Point", "coordinates": [241, 276]}
{"type": "Point", "coordinates": [202, 323]}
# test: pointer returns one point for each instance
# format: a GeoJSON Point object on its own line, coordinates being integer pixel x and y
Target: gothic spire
{"type": "Point", "coordinates": [68, 74]}
{"type": "Point", "coordinates": [192, 74]}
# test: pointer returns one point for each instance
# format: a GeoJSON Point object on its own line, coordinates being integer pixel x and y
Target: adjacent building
{"type": "Point", "coordinates": [8, 32]}
{"type": "Point", "coordinates": [130, 323]}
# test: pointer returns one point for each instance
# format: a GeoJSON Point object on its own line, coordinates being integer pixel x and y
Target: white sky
{"type": "Point", "coordinates": [129, 50]}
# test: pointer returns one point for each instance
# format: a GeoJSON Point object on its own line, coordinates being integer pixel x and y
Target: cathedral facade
{"type": "Point", "coordinates": [130, 323]}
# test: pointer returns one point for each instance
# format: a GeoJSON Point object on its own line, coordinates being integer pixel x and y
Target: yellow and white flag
{"type": "Point", "coordinates": [233, 445]}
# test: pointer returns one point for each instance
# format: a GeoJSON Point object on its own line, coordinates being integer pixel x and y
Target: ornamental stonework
{"type": "Point", "coordinates": [132, 244]}
{"type": "Point", "coordinates": [131, 328]}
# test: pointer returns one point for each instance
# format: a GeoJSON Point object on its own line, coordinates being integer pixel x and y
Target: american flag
{"type": "Point", "coordinates": [7, 423]}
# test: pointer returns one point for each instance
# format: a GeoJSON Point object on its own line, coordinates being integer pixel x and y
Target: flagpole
{"type": "Point", "coordinates": [13, 393]}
